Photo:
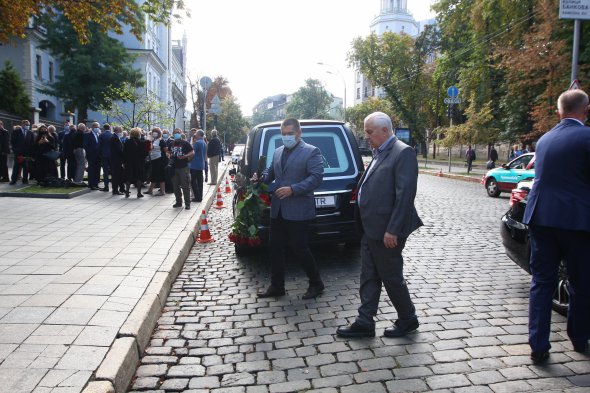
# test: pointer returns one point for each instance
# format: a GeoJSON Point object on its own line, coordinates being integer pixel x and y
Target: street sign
{"type": "Point", "coordinates": [575, 85]}
{"type": "Point", "coordinates": [215, 105]}
{"type": "Point", "coordinates": [453, 92]}
{"type": "Point", "coordinates": [574, 9]}
{"type": "Point", "coordinates": [206, 83]}
{"type": "Point", "coordinates": [452, 100]}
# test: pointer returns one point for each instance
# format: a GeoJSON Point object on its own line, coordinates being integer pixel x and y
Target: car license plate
{"type": "Point", "coordinates": [325, 201]}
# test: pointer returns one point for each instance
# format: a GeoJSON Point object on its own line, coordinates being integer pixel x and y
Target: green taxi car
{"type": "Point", "coordinates": [506, 177]}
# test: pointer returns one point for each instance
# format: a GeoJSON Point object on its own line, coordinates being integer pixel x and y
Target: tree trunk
{"type": "Point", "coordinates": [82, 114]}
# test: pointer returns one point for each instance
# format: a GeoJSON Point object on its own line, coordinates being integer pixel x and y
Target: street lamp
{"type": "Point", "coordinates": [337, 73]}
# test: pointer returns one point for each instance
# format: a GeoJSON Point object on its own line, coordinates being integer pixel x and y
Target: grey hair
{"type": "Point", "coordinates": [572, 101]}
{"type": "Point", "coordinates": [200, 132]}
{"type": "Point", "coordinates": [213, 133]}
{"type": "Point", "coordinates": [82, 126]}
{"type": "Point", "coordinates": [380, 120]}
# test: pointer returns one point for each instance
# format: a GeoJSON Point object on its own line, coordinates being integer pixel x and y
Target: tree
{"type": "Point", "coordinates": [311, 101]}
{"type": "Point", "coordinates": [393, 62]}
{"type": "Point", "coordinates": [82, 14]}
{"type": "Point", "coordinates": [13, 99]}
{"type": "Point", "coordinates": [88, 70]}
{"type": "Point", "coordinates": [231, 122]}
{"type": "Point", "coordinates": [356, 115]}
{"type": "Point", "coordinates": [132, 105]}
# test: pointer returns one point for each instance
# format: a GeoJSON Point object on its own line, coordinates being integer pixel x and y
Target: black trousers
{"type": "Point", "coordinates": [105, 163]}
{"type": "Point", "coordinates": [4, 167]}
{"type": "Point", "coordinates": [197, 183]}
{"type": "Point", "coordinates": [117, 174]}
{"type": "Point", "coordinates": [15, 170]}
{"type": "Point", "coordinates": [293, 236]}
{"type": "Point", "coordinates": [383, 266]}
{"type": "Point", "coordinates": [71, 167]}
{"type": "Point", "coordinates": [93, 171]}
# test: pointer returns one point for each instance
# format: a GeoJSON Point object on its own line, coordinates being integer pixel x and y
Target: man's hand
{"type": "Point", "coordinates": [284, 192]}
{"type": "Point", "coordinates": [389, 240]}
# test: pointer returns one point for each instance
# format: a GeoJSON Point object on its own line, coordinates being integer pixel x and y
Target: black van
{"type": "Point", "coordinates": [336, 196]}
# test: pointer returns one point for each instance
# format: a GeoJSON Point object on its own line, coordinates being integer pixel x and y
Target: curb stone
{"type": "Point", "coordinates": [118, 367]}
{"type": "Point", "coordinates": [451, 176]}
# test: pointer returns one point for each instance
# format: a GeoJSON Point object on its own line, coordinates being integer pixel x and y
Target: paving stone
{"type": "Point", "coordinates": [293, 386]}
{"type": "Point", "coordinates": [238, 379]}
{"type": "Point", "coordinates": [373, 376]}
{"type": "Point", "coordinates": [152, 370]}
{"type": "Point", "coordinates": [364, 388]}
{"type": "Point", "coordinates": [339, 369]}
{"type": "Point", "coordinates": [175, 384]}
{"type": "Point", "coordinates": [191, 370]}
{"type": "Point", "coordinates": [145, 383]}
{"type": "Point", "coordinates": [270, 377]}
{"type": "Point", "coordinates": [204, 383]}
{"type": "Point", "coordinates": [336, 381]}
{"type": "Point", "coordinates": [407, 385]}
{"type": "Point", "coordinates": [486, 377]}
{"type": "Point", "coordinates": [447, 381]}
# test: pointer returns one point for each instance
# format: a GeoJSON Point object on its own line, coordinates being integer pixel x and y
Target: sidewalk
{"type": "Point", "coordinates": [83, 276]}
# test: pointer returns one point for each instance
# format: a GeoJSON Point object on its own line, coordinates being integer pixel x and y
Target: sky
{"type": "Point", "coordinates": [268, 47]}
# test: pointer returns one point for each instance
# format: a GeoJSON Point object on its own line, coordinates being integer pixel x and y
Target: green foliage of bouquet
{"type": "Point", "coordinates": [253, 198]}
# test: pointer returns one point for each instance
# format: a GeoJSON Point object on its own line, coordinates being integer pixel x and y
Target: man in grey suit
{"type": "Point", "coordinates": [297, 170]}
{"type": "Point", "coordinates": [387, 217]}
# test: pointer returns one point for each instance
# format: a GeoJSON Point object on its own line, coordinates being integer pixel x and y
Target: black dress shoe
{"type": "Point", "coordinates": [313, 291]}
{"type": "Point", "coordinates": [539, 357]}
{"type": "Point", "coordinates": [12, 183]}
{"type": "Point", "coordinates": [94, 188]}
{"type": "Point", "coordinates": [105, 189]}
{"type": "Point", "coordinates": [117, 193]}
{"type": "Point", "coordinates": [581, 348]}
{"type": "Point", "coordinates": [177, 205]}
{"type": "Point", "coordinates": [187, 207]}
{"type": "Point", "coordinates": [400, 329]}
{"type": "Point", "coordinates": [271, 292]}
{"type": "Point", "coordinates": [139, 195]}
{"type": "Point", "coordinates": [355, 330]}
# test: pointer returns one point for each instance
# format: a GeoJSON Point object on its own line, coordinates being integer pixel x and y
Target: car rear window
{"type": "Point", "coordinates": [331, 140]}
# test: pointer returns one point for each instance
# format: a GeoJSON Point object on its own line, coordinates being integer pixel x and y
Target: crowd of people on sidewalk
{"type": "Point", "coordinates": [175, 162]}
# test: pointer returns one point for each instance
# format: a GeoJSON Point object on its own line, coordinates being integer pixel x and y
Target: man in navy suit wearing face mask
{"type": "Point", "coordinates": [297, 170]}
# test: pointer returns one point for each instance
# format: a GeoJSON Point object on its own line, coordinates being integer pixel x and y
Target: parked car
{"type": "Point", "coordinates": [335, 197]}
{"type": "Point", "coordinates": [515, 237]}
{"type": "Point", "coordinates": [505, 178]}
{"type": "Point", "coordinates": [236, 153]}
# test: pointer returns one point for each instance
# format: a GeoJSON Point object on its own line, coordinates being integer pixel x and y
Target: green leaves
{"type": "Point", "coordinates": [13, 99]}
{"type": "Point", "coordinates": [311, 101]}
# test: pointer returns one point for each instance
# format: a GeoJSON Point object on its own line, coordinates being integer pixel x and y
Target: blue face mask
{"type": "Point", "coordinates": [289, 141]}
{"type": "Point", "coordinates": [165, 136]}
{"type": "Point", "coordinates": [177, 136]}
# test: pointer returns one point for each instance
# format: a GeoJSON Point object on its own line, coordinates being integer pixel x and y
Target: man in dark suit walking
{"type": "Point", "coordinates": [387, 217]}
{"type": "Point", "coordinates": [297, 169]}
{"type": "Point", "coordinates": [558, 215]}
{"type": "Point", "coordinates": [104, 152]}
{"type": "Point", "coordinates": [4, 151]}
{"type": "Point", "coordinates": [21, 141]}
{"type": "Point", "coordinates": [92, 155]}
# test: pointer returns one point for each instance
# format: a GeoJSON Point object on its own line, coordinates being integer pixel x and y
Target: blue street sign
{"type": "Point", "coordinates": [453, 92]}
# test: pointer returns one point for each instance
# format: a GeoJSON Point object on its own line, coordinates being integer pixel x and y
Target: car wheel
{"type": "Point", "coordinates": [492, 187]}
{"type": "Point", "coordinates": [561, 296]}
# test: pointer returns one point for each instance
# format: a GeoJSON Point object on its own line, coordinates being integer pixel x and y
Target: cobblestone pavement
{"type": "Point", "coordinates": [216, 336]}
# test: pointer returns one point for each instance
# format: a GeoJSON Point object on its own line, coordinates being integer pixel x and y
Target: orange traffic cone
{"type": "Point", "coordinates": [204, 235]}
{"type": "Point", "coordinates": [440, 173]}
{"type": "Point", "coordinates": [227, 187]}
{"type": "Point", "coordinates": [219, 204]}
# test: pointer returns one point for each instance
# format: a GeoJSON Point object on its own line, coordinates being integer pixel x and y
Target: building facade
{"type": "Point", "coordinates": [161, 61]}
{"type": "Point", "coordinates": [393, 17]}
